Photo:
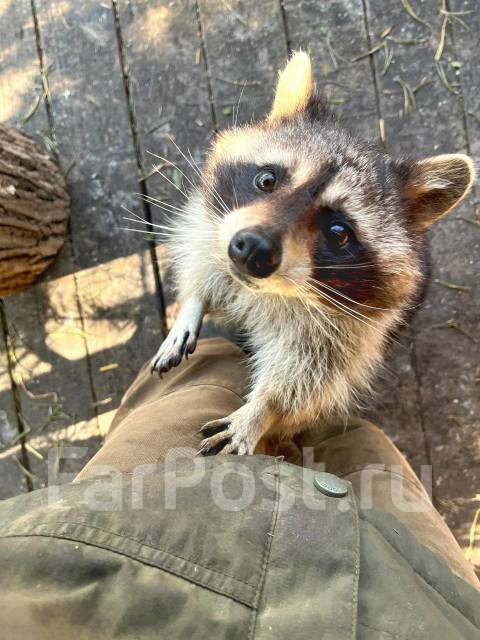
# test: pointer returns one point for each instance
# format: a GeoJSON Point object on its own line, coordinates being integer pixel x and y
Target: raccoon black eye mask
{"type": "Point", "coordinates": [311, 240]}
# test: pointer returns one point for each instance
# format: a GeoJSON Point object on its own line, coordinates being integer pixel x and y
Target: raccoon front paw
{"type": "Point", "coordinates": [222, 438]}
{"type": "Point", "coordinates": [238, 433]}
{"type": "Point", "coordinates": [182, 338]}
{"type": "Point", "coordinates": [181, 341]}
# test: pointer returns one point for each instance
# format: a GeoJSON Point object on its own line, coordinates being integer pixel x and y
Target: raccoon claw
{"type": "Point", "coordinates": [172, 350]}
{"type": "Point", "coordinates": [182, 339]}
{"type": "Point", "coordinates": [222, 438]}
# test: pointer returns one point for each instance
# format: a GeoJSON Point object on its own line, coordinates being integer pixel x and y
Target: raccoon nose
{"type": "Point", "coordinates": [255, 252]}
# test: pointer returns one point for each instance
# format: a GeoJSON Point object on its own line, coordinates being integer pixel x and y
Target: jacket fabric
{"type": "Point", "coordinates": [247, 548]}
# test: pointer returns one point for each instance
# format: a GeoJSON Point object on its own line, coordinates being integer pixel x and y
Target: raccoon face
{"type": "Point", "coordinates": [306, 209]}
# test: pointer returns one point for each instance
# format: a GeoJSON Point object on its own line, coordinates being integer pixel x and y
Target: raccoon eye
{"type": "Point", "coordinates": [338, 235]}
{"type": "Point", "coordinates": [265, 181]}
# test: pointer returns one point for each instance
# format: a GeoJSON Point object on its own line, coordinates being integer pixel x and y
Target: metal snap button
{"type": "Point", "coordinates": [330, 485]}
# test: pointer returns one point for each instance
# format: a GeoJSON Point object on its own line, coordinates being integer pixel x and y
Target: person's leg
{"type": "Point", "coordinates": [160, 415]}
{"type": "Point", "coordinates": [382, 479]}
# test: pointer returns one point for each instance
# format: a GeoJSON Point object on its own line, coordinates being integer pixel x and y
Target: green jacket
{"type": "Point", "coordinates": [292, 563]}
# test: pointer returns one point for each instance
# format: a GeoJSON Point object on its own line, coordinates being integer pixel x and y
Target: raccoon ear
{"type": "Point", "coordinates": [434, 186]}
{"type": "Point", "coordinates": [295, 87]}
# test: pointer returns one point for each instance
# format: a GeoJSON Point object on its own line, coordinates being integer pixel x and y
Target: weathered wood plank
{"type": "Point", "coordinates": [245, 47]}
{"type": "Point", "coordinates": [446, 358]}
{"type": "Point", "coordinates": [21, 104]}
{"type": "Point", "coordinates": [169, 98]}
{"type": "Point", "coordinates": [53, 386]}
{"type": "Point", "coordinates": [168, 84]}
{"type": "Point", "coordinates": [20, 81]}
{"type": "Point", "coordinates": [467, 52]}
{"type": "Point", "coordinates": [51, 371]}
{"type": "Point", "coordinates": [334, 33]}
{"type": "Point", "coordinates": [435, 109]}
{"type": "Point", "coordinates": [15, 92]}
{"type": "Point", "coordinates": [71, 328]}
{"type": "Point", "coordinates": [12, 480]}
{"type": "Point", "coordinates": [170, 88]}
{"type": "Point", "coordinates": [93, 132]}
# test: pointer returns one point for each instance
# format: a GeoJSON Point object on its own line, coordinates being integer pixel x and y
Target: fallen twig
{"type": "Point", "coordinates": [443, 33]}
{"type": "Point", "coordinates": [409, 102]}
{"type": "Point", "coordinates": [451, 285]}
{"type": "Point", "coordinates": [408, 8]}
{"type": "Point", "coordinates": [36, 103]}
{"type": "Point", "coordinates": [453, 324]}
{"type": "Point", "coordinates": [443, 78]}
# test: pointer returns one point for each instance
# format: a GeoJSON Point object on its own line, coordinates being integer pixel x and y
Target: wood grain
{"type": "Point", "coordinates": [21, 94]}
{"type": "Point", "coordinates": [334, 34]}
{"type": "Point", "coordinates": [446, 349]}
{"type": "Point", "coordinates": [169, 100]}
{"type": "Point", "coordinates": [91, 120]}
{"type": "Point", "coordinates": [245, 48]}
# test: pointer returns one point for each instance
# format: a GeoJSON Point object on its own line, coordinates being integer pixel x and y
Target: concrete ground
{"type": "Point", "coordinates": [102, 85]}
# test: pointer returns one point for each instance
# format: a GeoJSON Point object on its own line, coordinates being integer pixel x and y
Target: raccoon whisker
{"type": "Point", "coordinates": [356, 315]}
{"type": "Point", "coordinates": [144, 231]}
{"type": "Point", "coordinates": [139, 220]}
{"type": "Point", "coordinates": [361, 304]}
{"type": "Point", "coordinates": [135, 215]}
{"type": "Point", "coordinates": [210, 187]}
{"type": "Point", "coordinates": [151, 224]}
{"type": "Point", "coordinates": [212, 215]}
{"type": "Point", "coordinates": [171, 209]}
{"type": "Point", "coordinates": [194, 164]}
{"type": "Point", "coordinates": [195, 168]}
{"type": "Point", "coordinates": [180, 210]}
{"type": "Point", "coordinates": [216, 195]}
{"type": "Point", "coordinates": [308, 304]}
{"type": "Point", "coordinates": [169, 212]}
{"type": "Point", "coordinates": [234, 192]}
{"type": "Point", "coordinates": [175, 166]}
{"type": "Point", "coordinates": [191, 162]}
{"type": "Point", "coordinates": [351, 312]}
{"type": "Point", "coordinates": [193, 185]}
{"type": "Point", "coordinates": [175, 186]}
{"type": "Point", "coordinates": [177, 212]}
{"type": "Point", "coordinates": [345, 266]}
{"type": "Point", "coordinates": [174, 230]}
{"type": "Point", "coordinates": [177, 231]}
{"type": "Point", "coordinates": [341, 305]}
{"type": "Point", "coordinates": [235, 120]}
{"type": "Point", "coordinates": [163, 234]}
{"type": "Point", "coordinates": [156, 201]}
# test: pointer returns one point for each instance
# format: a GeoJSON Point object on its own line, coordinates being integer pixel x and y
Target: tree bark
{"type": "Point", "coordinates": [34, 209]}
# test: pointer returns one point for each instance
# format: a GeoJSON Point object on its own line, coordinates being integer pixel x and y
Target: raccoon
{"type": "Point", "coordinates": [311, 240]}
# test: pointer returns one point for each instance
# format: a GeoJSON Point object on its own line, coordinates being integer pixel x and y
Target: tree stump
{"type": "Point", "coordinates": [34, 208]}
